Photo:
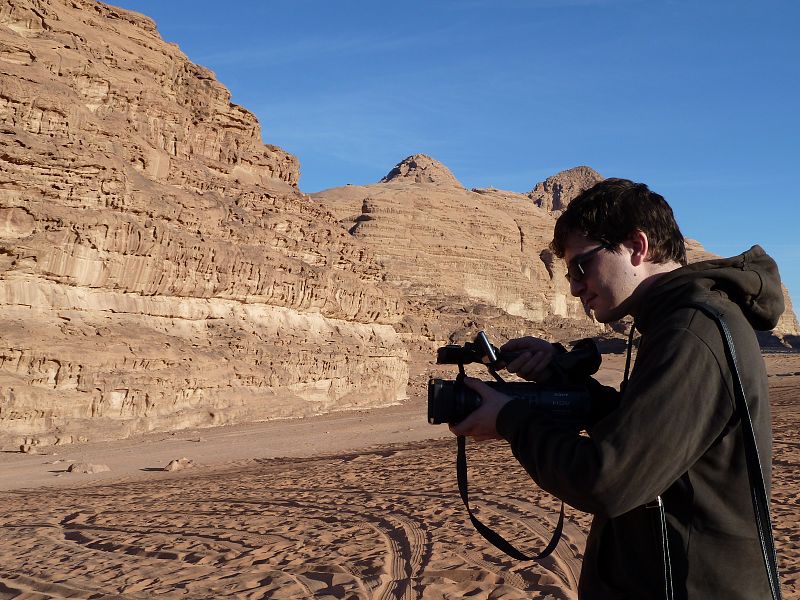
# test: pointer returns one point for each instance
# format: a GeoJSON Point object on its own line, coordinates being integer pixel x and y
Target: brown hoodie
{"type": "Point", "coordinates": [674, 434]}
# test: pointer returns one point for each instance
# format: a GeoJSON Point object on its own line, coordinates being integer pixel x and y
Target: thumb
{"type": "Point", "coordinates": [477, 385]}
{"type": "Point", "coordinates": [515, 344]}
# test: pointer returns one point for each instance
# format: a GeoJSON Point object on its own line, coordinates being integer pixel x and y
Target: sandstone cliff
{"type": "Point", "coordinates": [556, 192]}
{"type": "Point", "coordinates": [158, 266]}
{"type": "Point", "coordinates": [476, 259]}
{"type": "Point", "coordinates": [480, 255]}
{"type": "Point", "coordinates": [421, 168]}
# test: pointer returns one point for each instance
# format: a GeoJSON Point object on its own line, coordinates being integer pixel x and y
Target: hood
{"type": "Point", "coordinates": [749, 280]}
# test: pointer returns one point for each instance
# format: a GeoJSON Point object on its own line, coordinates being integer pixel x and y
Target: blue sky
{"type": "Point", "coordinates": [698, 99]}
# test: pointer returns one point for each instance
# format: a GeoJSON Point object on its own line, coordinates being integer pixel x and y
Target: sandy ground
{"type": "Point", "coordinates": [353, 505]}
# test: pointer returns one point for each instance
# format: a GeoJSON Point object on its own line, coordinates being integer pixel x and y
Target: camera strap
{"type": "Point", "coordinates": [758, 490]}
{"type": "Point", "coordinates": [490, 534]}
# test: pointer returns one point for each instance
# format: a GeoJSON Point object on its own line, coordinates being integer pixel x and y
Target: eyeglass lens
{"type": "Point", "coordinates": [575, 270]}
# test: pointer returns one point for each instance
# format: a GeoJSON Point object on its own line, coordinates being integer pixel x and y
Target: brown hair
{"type": "Point", "coordinates": [611, 210]}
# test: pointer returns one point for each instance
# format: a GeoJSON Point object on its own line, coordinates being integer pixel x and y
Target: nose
{"type": "Point", "coordinates": [576, 288]}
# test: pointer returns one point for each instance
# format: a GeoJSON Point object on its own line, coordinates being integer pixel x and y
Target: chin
{"type": "Point", "coordinates": [606, 316]}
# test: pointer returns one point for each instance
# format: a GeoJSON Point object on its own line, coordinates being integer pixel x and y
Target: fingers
{"type": "Point", "coordinates": [514, 345]}
{"type": "Point", "coordinates": [534, 356]}
{"type": "Point", "coordinates": [475, 438]}
{"type": "Point", "coordinates": [479, 386]}
{"type": "Point", "coordinates": [516, 365]}
{"type": "Point", "coordinates": [480, 424]}
{"type": "Point", "coordinates": [529, 366]}
{"type": "Point", "coordinates": [465, 427]}
{"type": "Point", "coordinates": [471, 424]}
{"type": "Point", "coordinates": [530, 343]}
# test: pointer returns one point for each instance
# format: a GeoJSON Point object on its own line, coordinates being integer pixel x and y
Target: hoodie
{"type": "Point", "coordinates": [673, 434]}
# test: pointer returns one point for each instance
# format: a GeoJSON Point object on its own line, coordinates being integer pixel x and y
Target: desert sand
{"type": "Point", "coordinates": [349, 505]}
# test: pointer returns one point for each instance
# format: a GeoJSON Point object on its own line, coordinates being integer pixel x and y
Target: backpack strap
{"type": "Point", "coordinates": [758, 491]}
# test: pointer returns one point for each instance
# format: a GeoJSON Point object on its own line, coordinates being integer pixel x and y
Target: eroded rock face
{"type": "Point", "coordinates": [158, 266]}
{"type": "Point", "coordinates": [459, 252]}
{"type": "Point", "coordinates": [556, 192]}
{"type": "Point", "coordinates": [421, 168]}
{"type": "Point", "coordinates": [477, 259]}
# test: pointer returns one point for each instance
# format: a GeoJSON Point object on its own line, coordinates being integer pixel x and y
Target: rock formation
{"type": "Point", "coordinates": [160, 269]}
{"type": "Point", "coordinates": [476, 259]}
{"type": "Point", "coordinates": [158, 266]}
{"type": "Point", "coordinates": [454, 251]}
{"type": "Point", "coordinates": [556, 192]}
{"type": "Point", "coordinates": [421, 168]}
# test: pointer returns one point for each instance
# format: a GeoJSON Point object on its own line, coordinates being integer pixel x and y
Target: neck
{"type": "Point", "coordinates": [650, 277]}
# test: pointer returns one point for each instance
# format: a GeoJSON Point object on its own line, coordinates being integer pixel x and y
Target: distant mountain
{"type": "Point", "coordinates": [556, 192]}
{"type": "Point", "coordinates": [421, 168]}
{"type": "Point", "coordinates": [449, 248]}
{"type": "Point", "coordinates": [466, 252]}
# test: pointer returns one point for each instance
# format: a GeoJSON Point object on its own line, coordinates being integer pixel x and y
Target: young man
{"type": "Point", "coordinates": [666, 460]}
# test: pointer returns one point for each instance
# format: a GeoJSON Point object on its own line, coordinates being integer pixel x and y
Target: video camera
{"type": "Point", "coordinates": [557, 395]}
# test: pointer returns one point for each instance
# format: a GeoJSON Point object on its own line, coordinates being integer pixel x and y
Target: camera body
{"type": "Point", "coordinates": [450, 401]}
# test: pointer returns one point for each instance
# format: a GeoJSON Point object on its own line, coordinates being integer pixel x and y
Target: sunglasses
{"type": "Point", "coordinates": [575, 271]}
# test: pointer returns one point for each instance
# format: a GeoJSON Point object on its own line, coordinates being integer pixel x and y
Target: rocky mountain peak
{"type": "Point", "coordinates": [556, 192]}
{"type": "Point", "coordinates": [421, 168]}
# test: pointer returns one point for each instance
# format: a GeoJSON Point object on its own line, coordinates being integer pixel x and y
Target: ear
{"type": "Point", "coordinates": [639, 245]}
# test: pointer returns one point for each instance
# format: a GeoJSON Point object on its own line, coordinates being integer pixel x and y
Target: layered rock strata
{"type": "Point", "coordinates": [471, 259]}
{"type": "Point", "coordinates": [556, 192]}
{"type": "Point", "coordinates": [158, 266]}
{"type": "Point", "coordinates": [456, 250]}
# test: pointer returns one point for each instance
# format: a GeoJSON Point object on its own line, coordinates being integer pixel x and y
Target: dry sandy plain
{"type": "Point", "coordinates": [352, 505]}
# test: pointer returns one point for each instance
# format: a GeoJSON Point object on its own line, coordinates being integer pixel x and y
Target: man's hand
{"type": "Point", "coordinates": [534, 359]}
{"type": "Point", "coordinates": [480, 424]}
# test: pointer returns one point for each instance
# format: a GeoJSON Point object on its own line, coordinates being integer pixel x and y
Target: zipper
{"type": "Point", "coordinates": [665, 559]}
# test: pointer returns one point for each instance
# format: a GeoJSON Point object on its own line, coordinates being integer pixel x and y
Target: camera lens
{"type": "Point", "coordinates": [450, 401]}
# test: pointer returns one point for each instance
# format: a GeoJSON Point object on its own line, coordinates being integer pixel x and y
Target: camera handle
{"type": "Point", "coordinates": [488, 533]}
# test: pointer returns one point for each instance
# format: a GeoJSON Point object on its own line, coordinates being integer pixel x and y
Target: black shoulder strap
{"type": "Point", "coordinates": [492, 536]}
{"type": "Point", "coordinates": [758, 490]}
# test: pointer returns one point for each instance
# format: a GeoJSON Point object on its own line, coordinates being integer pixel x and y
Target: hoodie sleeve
{"type": "Point", "coordinates": [674, 408]}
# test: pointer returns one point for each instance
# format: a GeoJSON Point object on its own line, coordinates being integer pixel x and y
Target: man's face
{"type": "Point", "coordinates": [608, 277]}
